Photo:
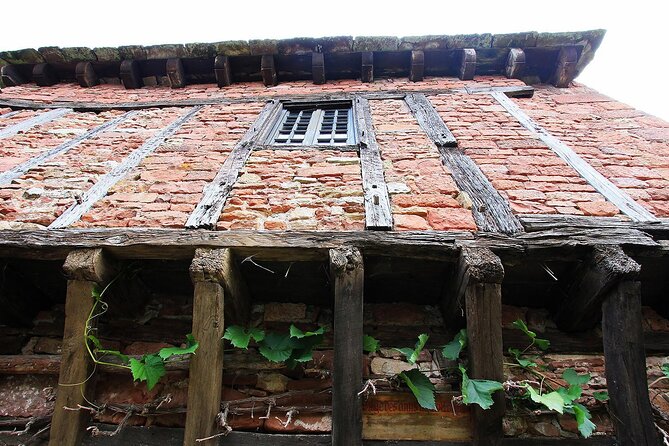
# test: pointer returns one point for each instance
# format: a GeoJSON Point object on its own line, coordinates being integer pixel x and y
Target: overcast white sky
{"type": "Point", "coordinates": [629, 66]}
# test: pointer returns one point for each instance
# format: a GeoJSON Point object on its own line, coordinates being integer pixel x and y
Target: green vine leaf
{"type": "Point", "coordinates": [191, 346]}
{"type": "Point", "coordinates": [276, 347]}
{"type": "Point", "coordinates": [95, 341]}
{"type": "Point", "coordinates": [665, 369]}
{"type": "Point", "coordinates": [585, 426]}
{"type": "Point", "coordinates": [569, 395]}
{"type": "Point", "coordinates": [602, 395]}
{"type": "Point", "coordinates": [299, 334]}
{"type": "Point", "coordinates": [478, 391]}
{"type": "Point", "coordinates": [543, 344]}
{"type": "Point", "coordinates": [421, 387]}
{"type": "Point", "coordinates": [370, 344]}
{"type": "Point", "coordinates": [412, 354]}
{"type": "Point", "coordinates": [96, 292]}
{"type": "Point", "coordinates": [453, 349]}
{"type": "Point", "coordinates": [574, 379]}
{"type": "Point", "coordinates": [150, 369]}
{"type": "Point", "coordinates": [101, 351]}
{"type": "Point", "coordinates": [240, 337]}
{"type": "Point", "coordinates": [552, 400]}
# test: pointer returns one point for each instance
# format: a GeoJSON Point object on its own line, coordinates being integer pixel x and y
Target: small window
{"type": "Point", "coordinates": [329, 124]}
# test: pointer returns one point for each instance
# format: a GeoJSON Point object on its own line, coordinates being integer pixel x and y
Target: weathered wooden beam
{"type": "Point", "coordinates": [467, 64]}
{"type": "Point", "coordinates": [318, 68]}
{"type": "Point", "coordinates": [625, 358]}
{"type": "Point", "coordinates": [417, 70]}
{"type": "Point", "coordinates": [378, 213]}
{"type": "Point", "coordinates": [222, 71]}
{"type": "Point", "coordinates": [565, 68]}
{"type": "Point", "coordinates": [268, 70]}
{"type": "Point", "coordinates": [429, 120]}
{"type": "Point", "coordinates": [85, 269]}
{"type": "Point", "coordinates": [107, 181]}
{"type": "Point", "coordinates": [347, 272]}
{"type": "Point", "coordinates": [175, 72]}
{"type": "Point", "coordinates": [45, 75]}
{"type": "Point", "coordinates": [11, 76]}
{"type": "Point", "coordinates": [19, 170]}
{"type": "Point", "coordinates": [36, 120]}
{"type": "Point", "coordinates": [367, 66]}
{"type": "Point", "coordinates": [130, 74]}
{"type": "Point", "coordinates": [515, 63]}
{"type": "Point", "coordinates": [86, 75]}
{"type": "Point", "coordinates": [605, 268]}
{"type": "Point", "coordinates": [208, 210]}
{"type": "Point", "coordinates": [10, 114]}
{"type": "Point", "coordinates": [605, 187]}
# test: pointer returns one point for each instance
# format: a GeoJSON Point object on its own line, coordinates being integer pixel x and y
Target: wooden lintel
{"type": "Point", "coordinates": [85, 74]}
{"type": "Point", "coordinates": [378, 213]}
{"type": "Point", "coordinates": [175, 72]}
{"type": "Point", "coordinates": [318, 68]}
{"type": "Point", "coordinates": [605, 268]}
{"type": "Point", "coordinates": [93, 265]}
{"type": "Point", "coordinates": [222, 71]}
{"type": "Point", "coordinates": [515, 63]}
{"type": "Point", "coordinates": [565, 68]}
{"type": "Point", "coordinates": [39, 119]}
{"type": "Point", "coordinates": [347, 272]}
{"type": "Point", "coordinates": [367, 66]}
{"type": "Point", "coordinates": [467, 64]}
{"type": "Point", "coordinates": [417, 69]}
{"type": "Point", "coordinates": [626, 378]}
{"type": "Point", "coordinates": [11, 76]}
{"type": "Point", "coordinates": [268, 70]}
{"type": "Point", "coordinates": [130, 74]}
{"type": "Point", "coordinates": [45, 75]}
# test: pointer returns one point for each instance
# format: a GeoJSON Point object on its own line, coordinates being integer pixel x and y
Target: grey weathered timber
{"type": "Point", "coordinates": [17, 171]}
{"type": "Point", "coordinates": [565, 68]}
{"type": "Point", "coordinates": [11, 76]}
{"type": "Point", "coordinates": [318, 68]}
{"type": "Point", "coordinates": [515, 63]}
{"type": "Point", "coordinates": [268, 71]}
{"type": "Point", "coordinates": [86, 75]}
{"type": "Point", "coordinates": [222, 71]}
{"type": "Point", "coordinates": [367, 66]}
{"type": "Point", "coordinates": [175, 72]}
{"type": "Point", "coordinates": [44, 75]}
{"type": "Point", "coordinates": [605, 187]}
{"type": "Point", "coordinates": [377, 202]}
{"type": "Point", "coordinates": [491, 212]}
{"type": "Point", "coordinates": [526, 91]}
{"type": "Point", "coordinates": [604, 269]}
{"type": "Point", "coordinates": [467, 64]}
{"type": "Point", "coordinates": [208, 210]}
{"type": "Point", "coordinates": [29, 123]}
{"type": "Point", "coordinates": [626, 366]}
{"type": "Point", "coordinates": [131, 75]}
{"type": "Point", "coordinates": [541, 222]}
{"type": "Point", "coordinates": [107, 181]}
{"type": "Point", "coordinates": [417, 70]}
{"type": "Point", "coordinates": [10, 114]}
{"type": "Point", "coordinates": [347, 272]}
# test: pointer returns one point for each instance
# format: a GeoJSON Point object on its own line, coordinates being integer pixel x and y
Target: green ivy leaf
{"type": "Point", "coordinates": [370, 344]}
{"type": "Point", "coordinates": [150, 369]}
{"type": "Point", "coordinates": [453, 349]}
{"type": "Point", "coordinates": [299, 334]}
{"type": "Point", "coordinates": [552, 400]}
{"type": "Point", "coordinates": [585, 426]}
{"type": "Point", "coordinates": [665, 369]}
{"type": "Point", "coordinates": [601, 395]}
{"type": "Point", "coordinates": [412, 354]}
{"type": "Point", "coordinates": [191, 346]}
{"type": "Point", "coordinates": [421, 387]}
{"type": "Point", "coordinates": [240, 337]}
{"type": "Point", "coordinates": [574, 379]}
{"type": "Point", "coordinates": [276, 347]}
{"type": "Point", "coordinates": [478, 391]}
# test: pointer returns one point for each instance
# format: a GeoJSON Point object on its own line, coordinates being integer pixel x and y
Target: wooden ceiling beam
{"type": "Point", "coordinates": [515, 63]}
{"type": "Point", "coordinates": [222, 71]}
{"type": "Point", "coordinates": [565, 68]}
{"type": "Point", "coordinates": [367, 66]}
{"type": "Point", "coordinates": [318, 68]}
{"type": "Point", "coordinates": [86, 75]}
{"type": "Point", "coordinates": [131, 75]}
{"type": "Point", "coordinates": [467, 64]}
{"type": "Point", "coordinates": [417, 70]}
{"type": "Point", "coordinates": [268, 70]}
{"type": "Point", "coordinates": [11, 76]}
{"type": "Point", "coordinates": [175, 72]}
{"type": "Point", "coordinates": [45, 75]}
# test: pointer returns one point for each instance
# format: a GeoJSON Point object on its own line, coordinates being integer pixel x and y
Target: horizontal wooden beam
{"type": "Point", "coordinates": [565, 67]}
{"type": "Point", "coordinates": [318, 68]}
{"type": "Point", "coordinates": [27, 124]}
{"type": "Point", "coordinates": [222, 71]}
{"type": "Point", "coordinates": [131, 75]}
{"type": "Point", "coordinates": [367, 66]}
{"type": "Point", "coordinates": [467, 68]}
{"type": "Point", "coordinates": [44, 75]}
{"type": "Point", "coordinates": [268, 71]}
{"type": "Point", "coordinates": [417, 70]}
{"type": "Point", "coordinates": [86, 75]}
{"type": "Point", "coordinates": [175, 72]}
{"type": "Point", "coordinates": [11, 76]}
{"type": "Point", "coordinates": [515, 63]}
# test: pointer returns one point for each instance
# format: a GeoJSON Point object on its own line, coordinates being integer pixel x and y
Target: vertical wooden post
{"type": "Point", "coordinates": [347, 273]}
{"type": "Point", "coordinates": [483, 273]}
{"type": "Point", "coordinates": [215, 276]}
{"type": "Point", "coordinates": [626, 366]}
{"type": "Point", "coordinates": [84, 269]}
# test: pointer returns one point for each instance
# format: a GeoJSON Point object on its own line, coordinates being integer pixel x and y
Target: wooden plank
{"type": "Point", "coordinates": [19, 170]}
{"type": "Point", "coordinates": [44, 75]}
{"type": "Point", "coordinates": [626, 366]}
{"type": "Point", "coordinates": [131, 75]}
{"type": "Point", "coordinates": [208, 210]}
{"type": "Point", "coordinates": [86, 75]}
{"type": "Point", "coordinates": [377, 201]}
{"type": "Point", "coordinates": [10, 114]}
{"type": "Point", "coordinates": [318, 68]}
{"type": "Point", "coordinates": [74, 386]}
{"type": "Point", "coordinates": [268, 71]}
{"type": "Point", "coordinates": [175, 72]}
{"type": "Point", "coordinates": [467, 64]}
{"type": "Point", "coordinates": [222, 71]}
{"type": "Point", "coordinates": [29, 123]}
{"type": "Point", "coordinates": [605, 187]}
{"type": "Point", "coordinates": [581, 307]}
{"type": "Point", "coordinates": [347, 272]}
{"type": "Point", "coordinates": [565, 68]}
{"type": "Point", "coordinates": [11, 76]}
{"type": "Point", "coordinates": [429, 120]}
{"type": "Point", "coordinates": [107, 181]}
{"type": "Point", "coordinates": [367, 66]}
{"type": "Point", "coordinates": [515, 63]}
{"type": "Point", "coordinates": [417, 70]}
{"type": "Point", "coordinates": [512, 92]}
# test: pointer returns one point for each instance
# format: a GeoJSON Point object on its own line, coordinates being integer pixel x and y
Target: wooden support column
{"type": "Point", "coordinates": [175, 73]}
{"type": "Point", "coordinates": [515, 63]}
{"type": "Point", "coordinates": [268, 70]}
{"type": "Point", "coordinates": [626, 366]}
{"type": "Point", "coordinates": [86, 75]}
{"type": "Point", "coordinates": [84, 269]}
{"type": "Point", "coordinates": [367, 66]}
{"type": "Point", "coordinates": [216, 278]}
{"type": "Point", "coordinates": [417, 66]}
{"type": "Point", "coordinates": [467, 64]}
{"type": "Point", "coordinates": [605, 267]}
{"type": "Point", "coordinates": [44, 75]}
{"type": "Point", "coordinates": [346, 271]}
{"type": "Point", "coordinates": [11, 76]}
{"type": "Point", "coordinates": [131, 75]}
{"type": "Point", "coordinates": [318, 68]}
{"type": "Point", "coordinates": [222, 71]}
{"type": "Point", "coordinates": [565, 68]}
